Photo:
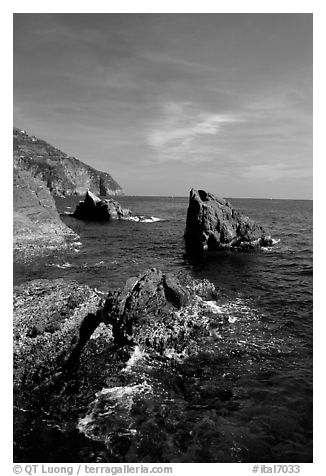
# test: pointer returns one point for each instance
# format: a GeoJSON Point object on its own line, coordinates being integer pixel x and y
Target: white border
{"type": "Point", "coordinates": [204, 6]}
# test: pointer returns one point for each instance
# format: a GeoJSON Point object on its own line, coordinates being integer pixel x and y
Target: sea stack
{"type": "Point", "coordinates": [92, 208]}
{"type": "Point", "coordinates": [212, 224]}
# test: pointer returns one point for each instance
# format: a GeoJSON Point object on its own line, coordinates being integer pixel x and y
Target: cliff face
{"type": "Point", "coordinates": [37, 225]}
{"type": "Point", "coordinates": [62, 175]}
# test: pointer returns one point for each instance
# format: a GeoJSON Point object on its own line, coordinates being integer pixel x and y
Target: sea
{"type": "Point", "coordinates": [245, 395]}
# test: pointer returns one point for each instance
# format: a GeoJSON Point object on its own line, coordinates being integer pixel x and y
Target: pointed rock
{"type": "Point", "coordinates": [92, 208]}
{"type": "Point", "coordinates": [212, 223]}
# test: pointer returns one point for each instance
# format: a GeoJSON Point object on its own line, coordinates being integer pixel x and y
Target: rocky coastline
{"type": "Point", "coordinates": [70, 341]}
{"type": "Point", "coordinates": [37, 228]}
{"type": "Point", "coordinates": [63, 175]}
{"type": "Point", "coordinates": [40, 173]}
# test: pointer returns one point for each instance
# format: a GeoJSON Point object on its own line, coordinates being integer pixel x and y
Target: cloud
{"type": "Point", "coordinates": [182, 131]}
{"type": "Point", "coordinates": [272, 172]}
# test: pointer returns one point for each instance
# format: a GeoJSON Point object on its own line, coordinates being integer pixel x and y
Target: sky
{"type": "Point", "coordinates": [167, 102]}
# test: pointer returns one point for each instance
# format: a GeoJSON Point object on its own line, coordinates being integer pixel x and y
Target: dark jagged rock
{"type": "Point", "coordinates": [53, 320]}
{"type": "Point", "coordinates": [63, 175]}
{"type": "Point", "coordinates": [58, 348]}
{"type": "Point", "coordinates": [70, 344]}
{"type": "Point", "coordinates": [212, 223]}
{"type": "Point", "coordinates": [92, 208]}
{"type": "Point", "coordinates": [37, 225]}
{"type": "Point", "coordinates": [159, 310]}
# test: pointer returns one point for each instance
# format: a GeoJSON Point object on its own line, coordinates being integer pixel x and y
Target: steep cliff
{"type": "Point", "coordinates": [37, 225]}
{"type": "Point", "coordinates": [63, 175]}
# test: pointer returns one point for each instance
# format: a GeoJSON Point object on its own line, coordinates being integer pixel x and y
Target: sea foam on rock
{"type": "Point", "coordinates": [70, 343]}
{"type": "Point", "coordinates": [54, 320]}
{"type": "Point", "coordinates": [212, 223]}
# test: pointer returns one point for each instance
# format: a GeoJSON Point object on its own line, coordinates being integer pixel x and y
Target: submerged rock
{"type": "Point", "coordinates": [92, 208]}
{"type": "Point", "coordinates": [212, 223]}
{"type": "Point", "coordinates": [158, 310]}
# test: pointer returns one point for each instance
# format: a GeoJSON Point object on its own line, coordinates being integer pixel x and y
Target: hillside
{"type": "Point", "coordinates": [63, 175]}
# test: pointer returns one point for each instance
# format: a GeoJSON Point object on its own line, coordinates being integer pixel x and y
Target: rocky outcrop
{"type": "Point", "coordinates": [37, 227]}
{"type": "Point", "coordinates": [212, 223]}
{"type": "Point", "coordinates": [160, 311]}
{"type": "Point", "coordinates": [92, 208]}
{"type": "Point", "coordinates": [70, 343]}
{"type": "Point", "coordinates": [58, 348]}
{"type": "Point", "coordinates": [53, 320]}
{"type": "Point", "coordinates": [63, 175]}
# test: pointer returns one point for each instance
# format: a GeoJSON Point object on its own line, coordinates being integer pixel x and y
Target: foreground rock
{"type": "Point", "coordinates": [212, 223]}
{"type": "Point", "coordinates": [62, 356]}
{"type": "Point", "coordinates": [160, 311]}
{"type": "Point", "coordinates": [53, 320]}
{"type": "Point", "coordinates": [62, 174]}
{"type": "Point", "coordinates": [92, 208]}
{"type": "Point", "coordinates": [71, 345]}
{"type": "Point", "coordinates": [37, 228]}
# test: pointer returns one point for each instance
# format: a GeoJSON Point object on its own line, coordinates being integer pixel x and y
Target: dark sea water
{"type": "Point", "coordinates": [246, 396]}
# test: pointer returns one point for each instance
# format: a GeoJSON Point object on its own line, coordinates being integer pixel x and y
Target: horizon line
{"type": "Point", "coordinates": [228, 198]}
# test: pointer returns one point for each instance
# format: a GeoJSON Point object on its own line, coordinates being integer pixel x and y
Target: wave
{"type": "Point", "coordinates": [110, 415]}
{"type": "Point", "coordinates": [136, 357]}
{"type": "Point", "coordinates": [142, 219]}
{"type": "Point", "coordinates": [271, 248]}
{"type": "Point", "coordinates": [63, 265]}
{"type": "Point", "coordinates": [99, 264]}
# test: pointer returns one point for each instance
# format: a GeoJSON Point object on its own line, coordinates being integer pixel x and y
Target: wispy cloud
{"type": "Point", "coordinates": [182, 130]}
{"type": "Point", "coordinates": [272, 172]}
{"type": "Point", "coordinates": [223, 102]}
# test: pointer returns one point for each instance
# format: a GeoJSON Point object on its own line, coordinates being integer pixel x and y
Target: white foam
{"type": "Point", "coordinates": [100, 292]}
{"type": "Point", "coordinates": [64, 265]}
{"type": "Point", "coordinates": [136, 357]}
{"type": "Point", "coordinates": [117, 401]}
{"type": "Point", "coordinates": [232, 319]}
{"type": "Point", "coordinates": [142, 219]}
{"type": "Point", "coordinates": [213, 307]}
{"type": "Point", "coordinates": [270, 248]}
